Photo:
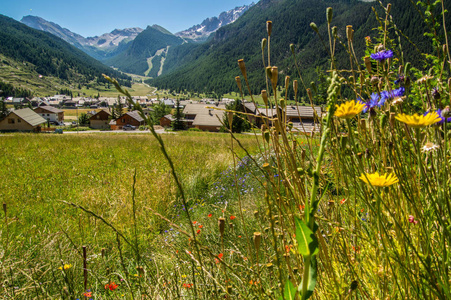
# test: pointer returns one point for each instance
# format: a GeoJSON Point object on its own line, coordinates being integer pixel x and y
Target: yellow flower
{"type": "Point", "coordinates": [379, 180]}
{"type": "Point", "coordinates": [418, 121]}
{"type": "Point", "coordinates": [349, 109]}
{"type": "Point", "coordinates": [65, 267]}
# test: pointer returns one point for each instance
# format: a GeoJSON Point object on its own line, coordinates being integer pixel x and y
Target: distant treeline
{"type": "Point", "coordinates": [8, 90]}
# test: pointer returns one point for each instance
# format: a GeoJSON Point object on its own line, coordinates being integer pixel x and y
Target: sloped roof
{"type": "Point", "coordinates": [100, 111]}
{"type": "Point", "coordinates": [51, 109]}
{"type": "Point", "coordinates": [135, 115]}
{"type": "Point", "coordinates": [199, 108]}
{"type": "Point", "coordinates": [29, 116]}
{"type": "Point", "coordinates": [302, 111]}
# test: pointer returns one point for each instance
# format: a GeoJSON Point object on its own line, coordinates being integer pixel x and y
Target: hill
{"type": "Point", "coordinates": [27, 52]}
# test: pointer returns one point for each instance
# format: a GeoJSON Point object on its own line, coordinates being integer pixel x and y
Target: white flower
{"type": "Point", "coordinates": [429, 147]}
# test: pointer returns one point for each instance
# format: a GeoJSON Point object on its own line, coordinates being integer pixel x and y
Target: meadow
{"type": "Point", "coordinates": [359, 209]}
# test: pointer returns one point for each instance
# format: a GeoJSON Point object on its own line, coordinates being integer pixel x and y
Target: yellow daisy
{"type": "Point", "coordinates": [418, 121]}
{"type": "Point", "coordinates": [65, 267]}
{"type": "Point", "coordinates": [379, 180]}
{"type": "Point", "coordinates": [349, 109]}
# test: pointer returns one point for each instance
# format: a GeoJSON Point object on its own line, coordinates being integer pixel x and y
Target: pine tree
{"type": "Point", "coordinates": [178, 124]}
{"type": "Point", "coordinates": [239, 123]}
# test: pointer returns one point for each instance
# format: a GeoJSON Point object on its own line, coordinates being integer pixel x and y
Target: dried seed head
{"type": "Point", "coordinates": [388, 8]}
{"type": "Point", "coordinates": [329, 14]}
{"type": "Point", "coordinates": [269, 27]}
{"type": "Point", "coordinates": [363, 125]}
{"type": "Point", "coordinates": [295, 87]}
{"type": "Point", "coordinates": [242, 67]}
{"type": "Point", "coordinates": [221, 224]}
{"type": "Point", "coordinates": [264, 43]}
{"type": "Point", "coordinates": [265, 97]}
{"type": "Point", "coordinates": [392, 119]}
{"type": "Point", "coordinates": [292, 48]}
{"type": "Point", "coordinates": [274, 76]}
{"type": "Point", "coordinates": [287, 82]}
{"type": "Point", "coordinates": [230, 116]}
{"type": "Point", "coordinates": [349, 33]}
{"type": "Point", "coordinates": [238, 82]}
{"type": "Point", "coordinates": [368, 64]}
{"type": "Point", "coordinates": [257, 240]}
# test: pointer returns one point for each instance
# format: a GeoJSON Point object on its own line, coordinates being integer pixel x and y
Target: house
{"type": "Point", "coordinates": [166, 121]}
{"type": "Point", "coordinates": [203, 117]}
{"type": "Point", "coordinates": [20, 101]}
{"type": "Point", "coordinates": [25, 120]}
{"type": "Point", "coordinates": [50, 113]}
{"type": "Point", "coordinates": [100, 120]}
{"type": "Point", "coordinates": [130, 118]}
{"type": "Point", "coordinates": [304, 118]}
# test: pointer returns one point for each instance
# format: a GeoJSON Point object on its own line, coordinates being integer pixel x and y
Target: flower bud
{"type": "Point", "coordinates": [238, 82]}
{"type": "Point", "coordinates": [295, 87]}
{"type": "Point", "coordinates": [368, 64]}
{"type": "Point", "coordinates": [292, 48]}
{"type": "Point", "coordinates": [282, 103]}
{"type": "Point", "coordinates": [329, 14]}
{"type": "Point", "coordinates": [269, 27]}
{"type": "Point", "coordinates": [349, 33]}
{"type": "Point", "coordinates": [335, 32]}
{"type": "Point", "coordinates": [264, 43]}
{"type": "Point", "coordinates": [266, 136]}
{"type": "Point", "coordinates": [268, 72]}
{"type": "Point", "coordinates": [314, 27]}
{"type": "Point", "coordinates": [388, 8]}
{"type": "Point", "coordinates": [287, 82]}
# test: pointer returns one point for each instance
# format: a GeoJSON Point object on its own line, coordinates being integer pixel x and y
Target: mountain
{"type": "Point", "coordinates": [100, 47]}
{"type": "Point", "coordinates": [201, 32]}
{"type": "Point", "coordinates": [25, 51]}
{"type": "Point", "coordinates": [146, 54]}
{"type": "Point", "coordinates": [212, 66]}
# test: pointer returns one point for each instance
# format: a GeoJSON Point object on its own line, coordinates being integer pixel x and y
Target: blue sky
{"type": "Point", "coordinates": [95, 17]}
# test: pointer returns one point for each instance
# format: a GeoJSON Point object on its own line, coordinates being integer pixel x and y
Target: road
{"type": "Point", "coordinates": [159, 131]}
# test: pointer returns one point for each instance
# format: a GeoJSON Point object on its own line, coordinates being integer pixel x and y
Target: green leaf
{"type": "Point", "coordinates": [290, 291]}
{"type": "Point", "coordinates": [307, 243]}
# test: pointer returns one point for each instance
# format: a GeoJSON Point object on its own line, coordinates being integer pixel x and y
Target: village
{"type": "Point", "coordinates": [48, 114]}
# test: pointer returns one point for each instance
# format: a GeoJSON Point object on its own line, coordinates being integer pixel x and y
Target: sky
{"type": "Point", "coordinates": [96, 17]}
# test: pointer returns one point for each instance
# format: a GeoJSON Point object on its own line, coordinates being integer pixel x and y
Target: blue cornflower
{"type": "Point", "coordinates": [390, 95]}
{"type": "Point", "coordinates": [382, 55]}
{"type": "Point", "coordinates": [372, 102]}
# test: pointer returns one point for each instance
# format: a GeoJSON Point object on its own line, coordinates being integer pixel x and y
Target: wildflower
{"type": "Point", "coordinates": [187, 285]}
{"type": "Point", "coordinates": [88, 294]}
{"type": "Point", "coordinates": [198, 231]}
{"type": "Point", "coordinates": [195, 222]}
{"type": "Point", "coordinates": [390, 95]}
{"type": "Point", "coordinates": [418, 121]}
{"type": "Point", "coordinates": [111, 286]}
{"type": "Point", "coordinates": [200, 226]}
{"type": "Point", "coordinates": [379, 180]}
{"type": "Point", "coordinates": [232, 217]}
{"type": "Point", "coordinates": [220, 255]}
{"type": "Point", "coordinates": [382, 55]}
{"type": "Point", "coordinates": [444, 115]}
{"type": "Point", "coordinates": [210, 215]}
{"type": "Point", "coordinates": [372, 103]}
{"type": "Point", "coordinates": [429, 147]}
{"type": "Point", "coordinates": [412, 220]}
{"type": "Point", "coordinates": [343, 201]}
{"type": "Point", "coordinates": [65, 267]}
{"type": "Point", "coordinates": [349, 109]}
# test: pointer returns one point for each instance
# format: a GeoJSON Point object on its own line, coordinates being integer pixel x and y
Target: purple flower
{"type": "Point", "coordinates": [390, 95]}
{"type": "Point", "coordinates": [372, 102]}
{"type": "Point", "coordinates": [382, 55]}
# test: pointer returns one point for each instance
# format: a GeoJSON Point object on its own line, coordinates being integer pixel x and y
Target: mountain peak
{"type": "Point", "coordinates": [201, 32]}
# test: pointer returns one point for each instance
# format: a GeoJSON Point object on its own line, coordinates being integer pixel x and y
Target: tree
{"type": "Point", "coordinates": [119, 109]}
{"type": "Point", "coordinates": [83, 120]}
{"type": "Point", "coordinates": [178, 124]}
{"type": "Point", "coordinates": [159, 111]}
{"type": "Point", "coordinates": [239, 123]}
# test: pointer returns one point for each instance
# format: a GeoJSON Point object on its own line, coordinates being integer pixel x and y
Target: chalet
{"type": "Point", "coordinates": [304, 118]}
{"type": "Point", "coordinates": [25, 120]}
{"type": "Point", "coordinates": [166, 121]}
{"type": "Point", "coordinates": [203, 117]}
{"type": "Point", "coordinates": [130, 118]}
{"type": "Point", "coordinates": [50, 113]}
{"type": "Point", "coordinates": [100, 120]}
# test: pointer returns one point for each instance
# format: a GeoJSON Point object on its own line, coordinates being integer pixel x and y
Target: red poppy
{"type": "Point", "coordinates": [220, 255]}
{"type": "Point", "coordinates": [195, 222]}
{"type": "Point", "coordinates": [198, 231]}
{"type": "Point", "coordinates": [343, 201]}
{"type": "Point", "coordinates": [200, 226]}
{"type": "Point", "coordinates": [232, 217]}
{"type": "Point", "coordinates": [87, 294]}
{"type": "Point", "coordinates": [112, 286]}
{"type": "Point", "coordinates": [301, 207]}
{"type": "Point", "coordinates": [187, 285]}
{"type": "Point", "coordinates": [210, 215]}
{"type": "Point", "coordinates": [216, 260]}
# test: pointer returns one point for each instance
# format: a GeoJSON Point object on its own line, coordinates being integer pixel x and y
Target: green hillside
{"type": "Point", "coordinates": [27, 53]}
{"type": "Point", "coordinates": [145, 45]}
{"type": "Point", "coordinates": [212, 66]}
